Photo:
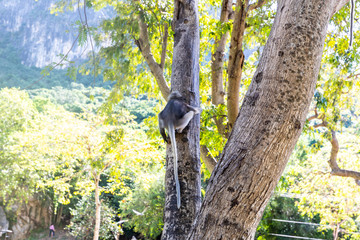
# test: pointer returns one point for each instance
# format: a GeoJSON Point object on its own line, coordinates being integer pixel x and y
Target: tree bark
{"type": "Point", "coordinates": [59, 214]}
{"type": "Point", "coordinates": [185, 79]}
{"type": "Point", "coordinates": [97, 208]}
{"type": "Point", "coordinates": [269, 123]}
{"type": "Point", "coordinates": [217, 66]}
{"type": "Point", "coordinates": [209, 161]}
{"type": "Point", "coordinates": [236, 61]}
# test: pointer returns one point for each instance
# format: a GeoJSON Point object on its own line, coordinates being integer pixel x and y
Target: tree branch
{"type": "Point", "coordinates": [144, 46]}
{"type": "Point", "coordinates": [209, 160]}
{"type": "Point", "coordinates": [164, 44]}
{"type": "Point", "coordinates": [217, 65]}
{"type": "Point", "coordinates": [323, 124]}
{"type": "Point", "coordinates": [254, 6]}
{"type": "Point", "coordinates": [340, 4]}
{"type": "Point", "coordinates": [335, 169]}
{"type": "Point", "coordinates": [57, 64]}
{"type": "Point", "coordinates": [236, 61]}
{"type": "Point", "coordinates": [315, 116]}
{"type": "Point", "coordinates": [91, 42]}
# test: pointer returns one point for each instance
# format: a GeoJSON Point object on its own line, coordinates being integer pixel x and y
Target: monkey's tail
{"type": "Point", "coordinates": [174, 148]}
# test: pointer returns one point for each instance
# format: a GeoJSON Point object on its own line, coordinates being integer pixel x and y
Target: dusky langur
{"type": "Point", "coordinates": [175, 116]}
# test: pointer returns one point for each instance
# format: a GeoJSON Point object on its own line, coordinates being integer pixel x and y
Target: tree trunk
{"type": "Point", "coordinates": [236, 61]}
{"type": "Point", "coordinates": [58, 214]}
{"type": "Point", "coordinates": [217, 66]}
{"type": "Point", "coordinates": [269, 123]}
{"type": "Point", "coordinates": [97, 208]}
{"type": "Point", "coordinates": [185, 79]}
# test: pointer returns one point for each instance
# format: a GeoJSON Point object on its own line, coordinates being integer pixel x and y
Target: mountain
{"type": "Point", "coordinates": [32, 38]}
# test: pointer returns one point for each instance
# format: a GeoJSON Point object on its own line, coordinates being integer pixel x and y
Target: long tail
{"type": "Point", "coordinates": [173, 145]}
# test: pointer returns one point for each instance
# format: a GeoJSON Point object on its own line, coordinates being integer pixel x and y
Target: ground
{"type": "Point", "coordinates": [60, 234]}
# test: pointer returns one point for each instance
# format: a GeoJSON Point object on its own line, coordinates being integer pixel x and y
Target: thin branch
{"type": "Point", "coordinates": [323, 124]}
{"type": "Point", "coordinates": [81, 20]}
{"type": "Point", "coordinates": [68, 52]}
{"type": "Point", "coordinates": [143, 44]}
{"type": "Point", "coordinates": [315, 116]}
{"type": "Point", "coordinates": [257, 5]}
{"type": "Point", "coordinates": [164, 45]}
{"type": "Point", "coordinates": [217, 64]}
{"type": "Point", "coordinates": [236, 61]}
{"type": "Point", "coordinates": [92, 46]}
{"type": "Point", "coordinates": [53, 67]}
{"type": "Point", "coordinates": [353, 76]}
{"type": "Point", "coordinates": [340, 4]}
{"type": "Point", "coordinates": [157, 19]}
{"type": "Point", "coordinates": [312, 118]}
{"type": "Point", "coordinates": [335, 169]}
{"type": "Point", "coordinates": [209, 160]}
{"type": "Point", "coordinates": [106, 166]}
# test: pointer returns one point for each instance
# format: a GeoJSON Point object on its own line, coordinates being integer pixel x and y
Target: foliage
{"type": "Point", "coordinates": [77, 99]}
{"type": "Point", "coordinates": [83, 220]}
{"type": "Point", "coordinates": [333, 199]}
{"type": "Point", "coordinates": [61, 147]}
{"type": "Point", "coordinates": [282, 208]}
{"type": "Point", "coordinates": [143, 208]}
{"type": "Point", "coordinates": [68, 151]}
{"type": "Point", "coordinates": [122, 59]}
{"type": "Point", "coordinates": [17, 115]}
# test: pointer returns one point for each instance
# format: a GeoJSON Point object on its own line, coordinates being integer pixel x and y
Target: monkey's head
{"type": "Point", "coordinates": [175, 95]}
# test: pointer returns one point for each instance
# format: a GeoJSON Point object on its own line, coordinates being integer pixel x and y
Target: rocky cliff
{"type": "Point", "coordinates": [35, 213]}
{"type": "Point", "coordinates": [39, 35]}
{"type": "Point", "coordinates": [4, 223]}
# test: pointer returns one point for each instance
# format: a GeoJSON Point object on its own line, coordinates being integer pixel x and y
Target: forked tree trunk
{"type": "Point", "coordinates": [185, 79]}
{"type": "Point", "coordinates": [269, 123]}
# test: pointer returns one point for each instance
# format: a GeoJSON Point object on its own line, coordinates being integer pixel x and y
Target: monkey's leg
{"type": "Point", "coordinates": [184, 121]}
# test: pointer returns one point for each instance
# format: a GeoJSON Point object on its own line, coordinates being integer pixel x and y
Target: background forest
{"type": "Point", "coordinates": [78, 127]}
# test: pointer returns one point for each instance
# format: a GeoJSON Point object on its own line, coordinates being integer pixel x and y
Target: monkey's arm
{"type": "Point", "coordinates": [196, 110]}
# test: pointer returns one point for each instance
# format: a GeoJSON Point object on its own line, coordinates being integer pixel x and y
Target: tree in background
{"type": "Point", "coordinates": [17, 114]}
{"type": "Point", "coordinates": [83, 220]}
{"type": "Point", "coordinates": [318, 192]}
{"type": "Point", "coordinates": [68, 156]}
{"type": "Point", "coordinates": [143, 207]}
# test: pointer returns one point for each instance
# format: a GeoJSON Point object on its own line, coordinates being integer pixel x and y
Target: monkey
{"type": "Point", "coordinates": [175, 116]}
{"type": "Point", "coordinates": [352, 7]}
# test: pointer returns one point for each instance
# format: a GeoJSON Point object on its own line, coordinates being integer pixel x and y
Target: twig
{"type": "Point", "coordinates": [92, 46]}
{"type": "Point", "coordinates": [52, 68]}
{"type": "Point", "coordinates": [254, 6]}
{"type": "Point", "coordinates": [163, 51]}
